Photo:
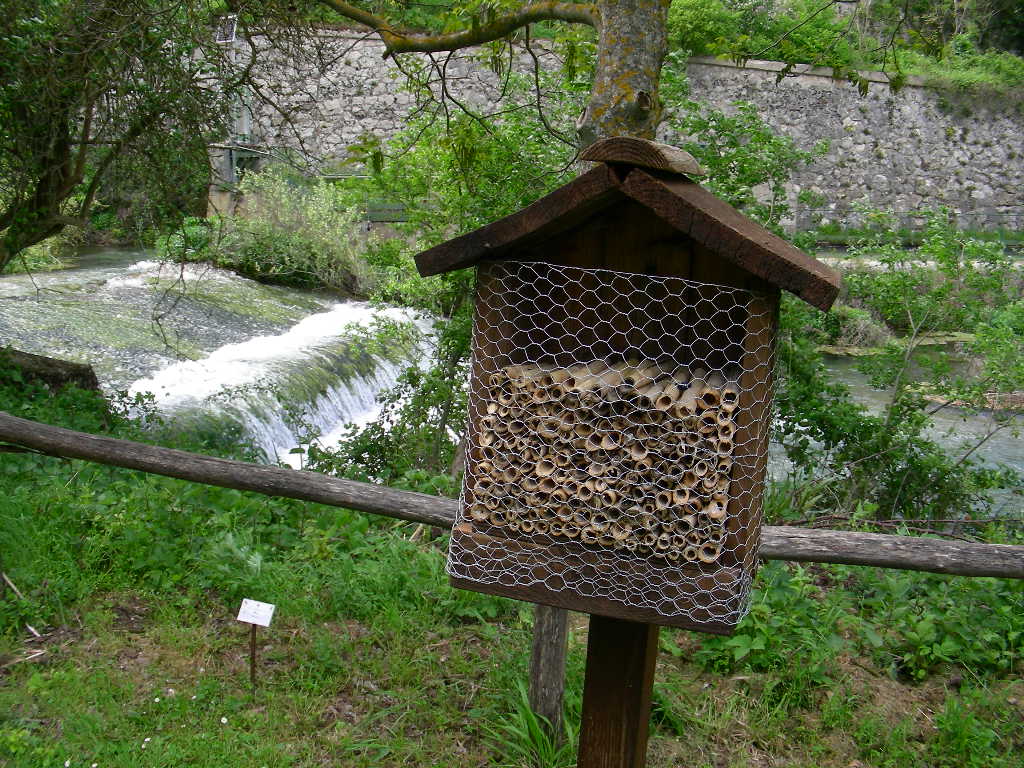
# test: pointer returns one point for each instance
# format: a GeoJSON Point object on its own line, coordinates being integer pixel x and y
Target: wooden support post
{"type": "Point", "coordinates": [547, 665]}
{"type": "Point", "coordinates": [617, 693]}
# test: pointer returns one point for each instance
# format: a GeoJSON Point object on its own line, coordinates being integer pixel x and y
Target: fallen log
{"type": "Point", "coordinates": [777, 543]}
{"type": "Point", "coordinates": [56, 374]}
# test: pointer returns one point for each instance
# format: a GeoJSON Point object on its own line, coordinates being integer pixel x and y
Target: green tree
{"type": "Point", "coordinates": [90, 89]}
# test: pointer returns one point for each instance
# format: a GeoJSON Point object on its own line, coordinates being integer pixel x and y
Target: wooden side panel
{"type": "Point", "coordinates": [752, 431]}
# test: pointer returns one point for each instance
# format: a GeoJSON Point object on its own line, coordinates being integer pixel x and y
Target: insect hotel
{"type": "Point", "coordinates": [620, 395]}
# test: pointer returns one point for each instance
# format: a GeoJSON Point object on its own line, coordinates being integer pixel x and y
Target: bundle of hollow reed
{"type": "Point", "coordinates": [631, 456]}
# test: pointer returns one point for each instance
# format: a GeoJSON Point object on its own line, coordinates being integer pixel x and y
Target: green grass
{"type": "Point", "coordinates": [373, 660]}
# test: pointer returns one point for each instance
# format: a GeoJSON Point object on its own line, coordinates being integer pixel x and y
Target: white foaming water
{"type": "Point", "coordinates": [240, 379]}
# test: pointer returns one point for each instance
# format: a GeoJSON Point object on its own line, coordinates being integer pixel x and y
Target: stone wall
{"type": "Point", "coordinates": [917, 148]}
{"type": "Point", "coordinates": [907, 151]}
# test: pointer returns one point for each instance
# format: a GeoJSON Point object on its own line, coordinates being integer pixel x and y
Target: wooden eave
{"type": "Point", "coordinates": [682, 203]}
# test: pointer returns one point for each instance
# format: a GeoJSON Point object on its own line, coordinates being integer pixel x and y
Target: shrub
{"type": "Point", "coordinates": [289, 230]}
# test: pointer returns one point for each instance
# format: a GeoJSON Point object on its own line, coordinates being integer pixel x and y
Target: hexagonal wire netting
{"type": "Point", "coordinates": [618, 438]}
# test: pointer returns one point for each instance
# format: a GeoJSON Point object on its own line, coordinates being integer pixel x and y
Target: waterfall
{"type": "Point", "coordinates": [318, 374]}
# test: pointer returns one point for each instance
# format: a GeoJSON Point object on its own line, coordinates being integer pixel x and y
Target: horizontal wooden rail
{"type": "Point", "coordinates": [777, 542]}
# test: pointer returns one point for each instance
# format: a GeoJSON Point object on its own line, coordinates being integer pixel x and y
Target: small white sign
{"type": "Point", "coordinates": [255, 612]}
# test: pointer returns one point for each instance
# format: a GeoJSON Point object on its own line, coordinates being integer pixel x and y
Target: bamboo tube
{"type": "Point", "coordinates": [680, 496]}
{"type": "Point", "coordinates": [685, 523]}
{"type": "Point", "coordinates": [708, 398]}
{"type": "Point", "coordinates": [690, 554]}
{"type": "Point", "coordinates": [529, 483]}
{"type": "Point", "coordinates": [492, 504]}
{"type": "Point", "coordinates": [496, 518]}
{"type": "Point", "coordinates": [595, 469]}
{"type": "Point", "coordinates": [730, 397]}
{"type": "Point", "coordinates": [610, 441]}
{"type": "Point", "coordinates": [583, 429]}
{"type": "Point", "coordinates": [720, 497]}
{"type": "Point", "coordinates": [605, 540]}
{"type": "Point", "coordinates": [724, 447]}
{"type": "Point", "coordinates": [569, 532]}
{"type": "Point", "coordinates": [714, 511]}
{"type": "Point", "coordinates": [545, 467]}
{"type": "Point", "coordinates": [596, 484]}
{"type": "Point", "coordinates": [638, 451]}
{"type": "Point", "coordinates": [663, 543]}
{"type": "Point", "coordinates": [700, 468]}
{"type": "Point", "coordinates": [559, 496]}
{"type": "Point", "coordinates": [668, 398]}
{"type": "Point", "coordinates": [527, 526]}
{"type": "Point", "coordinates": [709, 482]}
{"type": "Point", "coordinates": [663, 500]}
{"type": "Point", "coordinates": [673, 555]}
{"type": "Point", "coordinates": [556, 528]}
{"type": "Point", "coordinates": [683, 409]}
{"type": "Point", "coordinates": [692, 439]}
{"type": "Point", "coordinates": [646, 520]}
{"type": "Point", "coordinates": [478, 512]}
{"type": "Point", "coordinates": [609, 497]}
{"type": "Point", "coordinates": [620, 531]}
{"type": "Point", "coordinates": [724, 463]}
{"type": "Point", "coordinates": [689, 479]}
{"type": "Point", "coordinates": [542, 527]}
{"type": "Point", "coordinates": [722, 486]}
{"type": "Point", "coordinates": [599, 521]}
{"type": "Point", "coordinates": [563, 512]}
{"type": "Point", "coordinates": [588, 536]}
{"type": "Point", "coordinates": [709, 553]}
{"type": "Point", "coordinates": [546, 484]}
{"type": "Point", "coordinates": [649, 539]}
{"type": "Point", "coordinates": [584, 492]}
{"type": "Point", "coordinates": [580, 519]}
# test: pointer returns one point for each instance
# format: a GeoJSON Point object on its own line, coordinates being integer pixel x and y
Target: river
{"type": "Point", "coordinates": [218, 351]}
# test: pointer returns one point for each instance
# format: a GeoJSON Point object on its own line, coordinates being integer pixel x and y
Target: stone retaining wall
{"type": "Point", "coordinates": [910, 150]}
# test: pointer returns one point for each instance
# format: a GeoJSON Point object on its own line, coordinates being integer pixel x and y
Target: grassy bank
{"type": "Point", "coordinates": [372, 660]}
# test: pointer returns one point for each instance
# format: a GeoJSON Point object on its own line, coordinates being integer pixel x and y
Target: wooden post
{"type": "Point", "coordinates": [617, 693]}
{"type": "Point", "coordinates": [547, 665]}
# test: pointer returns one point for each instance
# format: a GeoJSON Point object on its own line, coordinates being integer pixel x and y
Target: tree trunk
{"type": "Point", "coordinates": [632, 43]}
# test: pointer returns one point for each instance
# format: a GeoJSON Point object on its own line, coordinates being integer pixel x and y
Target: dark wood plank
{"type": "Point", "coordinates": [547, 665]}
{"type": "Point", "coordinates": [562, 209]}
{"type": "Point", "coordinates": [808, 545]}
{"type": "Point", "coordinates": [750, 454]}
{"type": "Point", "coordinates": [715, 224]}
{"type": "Point", "coordinates": [642, 153]}
{"type": "Point", "coordinates": [479, 552]}
{"type": "Point", "coordinates": [621, 657]}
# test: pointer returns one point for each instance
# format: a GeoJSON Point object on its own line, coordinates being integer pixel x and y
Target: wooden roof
{"type": "Point", "coordinates": [674, 198]}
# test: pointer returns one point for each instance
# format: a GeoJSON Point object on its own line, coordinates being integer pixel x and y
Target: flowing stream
{"type": "Point", "coordinates": [218, 352]}
{"type": "Point", "coordinates": [221, 353]}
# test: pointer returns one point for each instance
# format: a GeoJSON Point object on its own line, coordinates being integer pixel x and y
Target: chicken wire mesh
{"type": "Point", "coordinates": [618, 427]}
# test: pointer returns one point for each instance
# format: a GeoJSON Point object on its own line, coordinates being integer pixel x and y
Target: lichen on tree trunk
{"type": "Point", "coordinates": [632, 43]}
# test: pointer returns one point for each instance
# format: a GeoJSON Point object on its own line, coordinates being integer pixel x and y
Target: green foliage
{"type": "Point", "coordinates": [799, 32]}
{"type": "Point", "coordinates": [904, 39]}
{"type": "Point", "coordinates": [291, 231]}
{"type": "Point", "coordinates": [748, 164]}
{"type": "Point", "coordinates": [94, 91]}
{"type": "Point", "coordinates": [525, 738]}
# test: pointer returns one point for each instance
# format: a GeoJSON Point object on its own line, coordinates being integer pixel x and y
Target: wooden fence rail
{"type": "Point", "coordinates": [777, 543]}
